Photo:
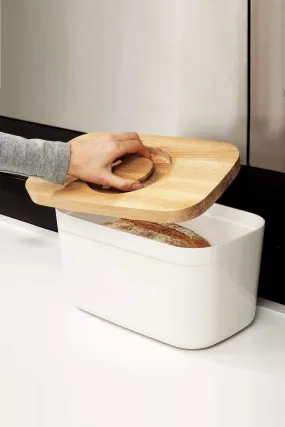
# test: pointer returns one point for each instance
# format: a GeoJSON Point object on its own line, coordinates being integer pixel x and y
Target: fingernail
{"type": "Point", "coordinates": [136, 186]}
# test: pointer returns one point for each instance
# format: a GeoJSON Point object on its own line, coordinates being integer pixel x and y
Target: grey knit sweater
{"type": "Point", "coordinates": [34, 157]}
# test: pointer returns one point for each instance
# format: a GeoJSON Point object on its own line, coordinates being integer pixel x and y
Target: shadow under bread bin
{"type": "Point", "coordinates": [187, 297]}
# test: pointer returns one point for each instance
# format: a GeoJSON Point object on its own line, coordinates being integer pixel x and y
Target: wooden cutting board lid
{"type": "Point", "coordinates": [183, 180]}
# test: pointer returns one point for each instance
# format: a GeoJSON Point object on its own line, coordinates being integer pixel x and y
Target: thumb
{"type": "Point", "coordinates": [122, 184]}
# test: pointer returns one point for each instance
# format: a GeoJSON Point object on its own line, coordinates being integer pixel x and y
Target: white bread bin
{"type": "Point", "coordinates": [189, 298]}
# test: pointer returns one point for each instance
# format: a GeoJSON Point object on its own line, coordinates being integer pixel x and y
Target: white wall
{"type": "Point", "coordinates": [155, 66]}
{"type": "Point", "coordinates": [268, 101]}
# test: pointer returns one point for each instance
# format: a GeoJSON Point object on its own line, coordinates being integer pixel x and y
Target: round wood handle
{"type": "Point", "coordinates": [133, 167]}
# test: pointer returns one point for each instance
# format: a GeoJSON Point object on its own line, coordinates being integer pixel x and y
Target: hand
{"type": "Point", "coordinates": [91, 160]}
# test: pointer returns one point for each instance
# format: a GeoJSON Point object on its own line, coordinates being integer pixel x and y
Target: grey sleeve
{"type": "Point", "coordinates": [34, 157]}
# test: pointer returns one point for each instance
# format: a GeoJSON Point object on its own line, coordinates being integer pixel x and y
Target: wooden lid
{"type": "Point", "coordinates": [186, 178]}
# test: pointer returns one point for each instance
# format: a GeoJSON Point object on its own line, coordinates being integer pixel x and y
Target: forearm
{"type": "Point", "coordinates": [34, 157]}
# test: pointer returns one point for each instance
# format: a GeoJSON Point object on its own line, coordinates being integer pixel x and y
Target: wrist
{"type": "Point", "coordinates": [73, 162]}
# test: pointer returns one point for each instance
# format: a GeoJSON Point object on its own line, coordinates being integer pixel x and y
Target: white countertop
{"type": "Point", "coordinates": [61, 367]}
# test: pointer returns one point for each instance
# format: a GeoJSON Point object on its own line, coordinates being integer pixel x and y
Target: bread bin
{"type": "Point", "coordinates": [188, 298]}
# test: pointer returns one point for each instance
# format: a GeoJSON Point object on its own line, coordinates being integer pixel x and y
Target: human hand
{"type": "Point", "coordinates": [91, 159]}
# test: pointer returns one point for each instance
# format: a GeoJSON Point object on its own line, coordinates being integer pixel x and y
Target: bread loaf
{"type": "Point", "coordinates": [170, 234]}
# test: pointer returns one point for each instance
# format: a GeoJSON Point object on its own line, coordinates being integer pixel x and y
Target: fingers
{"type": "Point", "coordinates": [125, 136]}
{"type": "Point", "coordinates": [132, 147]}
{"type": "Point", "coordinates": [111, 180]}
{"type": "Point", "coordinates": [130, 143]}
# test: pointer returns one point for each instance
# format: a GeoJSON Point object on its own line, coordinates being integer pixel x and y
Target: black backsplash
{"type": "Point", "coordinates": [260, 191]}
{"type": "Point", "coordinates": [254, 190]}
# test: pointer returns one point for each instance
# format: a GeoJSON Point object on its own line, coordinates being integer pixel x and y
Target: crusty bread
{"type": "Point", "coordinates": [171, 234]}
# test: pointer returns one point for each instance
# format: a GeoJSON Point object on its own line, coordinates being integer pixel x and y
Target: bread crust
{"type": "Point", "coordinates": [171, 234]}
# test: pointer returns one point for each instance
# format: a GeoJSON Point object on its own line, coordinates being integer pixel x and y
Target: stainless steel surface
{"type": "Point", "coordinates": [267, 85]}
{"type": "Point", "coordinates": [162, 67]}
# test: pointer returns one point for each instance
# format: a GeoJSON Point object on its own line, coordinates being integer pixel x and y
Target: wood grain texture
{"type": "Point", "coordinates": [199, 174]}
{"type": "Point", "coordinates": [134, 167]}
